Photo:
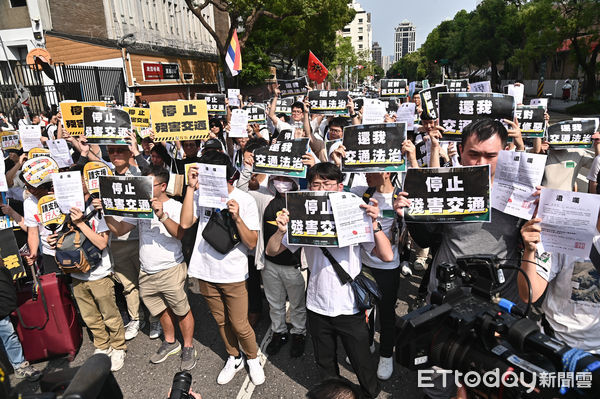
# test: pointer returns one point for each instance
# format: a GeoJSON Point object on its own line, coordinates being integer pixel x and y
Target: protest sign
{"type": "Point", "coordinates": [68, 191]}
{"type": "Point", "coordinates": [358, 104]}
{"type": "Point", "coordinates": [129, 99]}
{"type": "Point", "coordinates": [394, 87]}
{"type": "Point", "coordinates": [457, 85]}
{"type": "Point", "coordinates": [374, 148]}
{"type": "Point", "coordinates": [406, 113]}
{"type": "Point", "coordinates": [212, 186]}
{"type": "Point", "coordinates": [293, 87]}
{"type": "Point", "coordinates": [311, 219]}
{"type": "Point", "coordinates": [140, 117]}
{"type": "Point", "coordinates": [179, 120]}
{"type": "Point", "coordinates": [374, 111]}
{"type": "Point", "coordinates": [106, 125]}
{"type": "Point", "coordinates": [353, 225]}
{"type": "Point", "coordinates": [256, 114]}
{"type": "Point", "coordinates": [517, 91]}
{"type": "Point", "coordinates": [391, 104]}
{"type": "Point", "coordinates": [284, 105]}
{"type": "Point", "coordinates": [425, 83]}
{"type": "Point", "coordinates": [571, 134]}
{"type": "Point", "coordinates": [412, 87]}
{"type": "Point", "coordinates": [539, 101]}
{"type": "Point", "coordinates": [215, 103]}
{"type": "Point", "coordinates": [9, 250]}
{"type": "Point", "coordinates": [59, 151]}
{"type": "Point", "coordinates": [328, 102]}
{"type": "Point", "coordinates": [238, 123]}
{"type": "Point", "coordinates": [3, 182]}
{"type": "Point", "coordinates": [38, 152]}
{"type": "Point", "coordinates": [481, 87]}
{"type": "Point", "coordinates": [232, 96]}
{"type": "Point", "coordinates": [531, 120]}
{"type": "Point", "coordinates": [516, 178]}
{"type": "Point", "coordinates": [283, 158]}
{"type": "Point", "coordinates": [30, 136]}
{"type": "Point", "coordinates": [10, 140]}
{"type": "Point", "coordinates": [596, 121]}
{"type": "Point", "coordinates": [429, 101]}
{"type": "Point", "coordinates": [457, 110]}
{"type": "Point", "coordinates": [34, 171]}
{"type": "Point", "coordinates": [49, 214]}
{"type": "Point", "coordinates": [91, 175]}
{"type": "Point", "coordinates": [422, 153]}
{"type": "Point", "coordinates": [332, 145]}
{"type": "Point", "coordinates": [128, 196]}
{"type": "Point", "coordinates": [441, 195]}
{"type": "Point", "coordinates": [72, 115]}
{"type": "Point", "coordinates": [568, 222]}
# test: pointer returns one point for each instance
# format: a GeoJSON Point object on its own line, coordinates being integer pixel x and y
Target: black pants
{"type": "Point", "coordinates": [253, 287]}
{"type": "Point", "coordinates": [49, 265]}
{"type": "Point", "coordinates": [388, 282]}
{"type": "Point", "coordinates": [353, 331]}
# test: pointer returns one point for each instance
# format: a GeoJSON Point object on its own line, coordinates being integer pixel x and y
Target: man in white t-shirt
{"type": "Point", "coordinates": [163, 271]}
{"type": "Point", "coordinates": [221, 278]}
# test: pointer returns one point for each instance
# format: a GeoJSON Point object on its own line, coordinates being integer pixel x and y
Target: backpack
{"type": "Point", "coordinates": [75, 253]}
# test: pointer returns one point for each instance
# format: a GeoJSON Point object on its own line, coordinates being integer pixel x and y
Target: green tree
{"type": "Point", "coordinates": [343, 63]}
{"type": "Point", "coordinates": [412, 67]}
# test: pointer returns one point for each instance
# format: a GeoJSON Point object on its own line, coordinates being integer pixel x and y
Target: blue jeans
{"type": "Point", "coordinates": [11, 342]}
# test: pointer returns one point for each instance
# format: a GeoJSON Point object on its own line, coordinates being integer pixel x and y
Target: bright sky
{"type": "Point", "coordinates": [424, 14]}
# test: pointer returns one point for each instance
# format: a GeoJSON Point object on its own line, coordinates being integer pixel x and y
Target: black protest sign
{"type": "Point", "coordinates": [374, 148]}
{"type": "Point", "coordinates": [293, 87]}
{"type": "Point", "coordinates": [311, 219]}
{"type": "Point", "coordinates": [284, 105]}
{"type": "Point", "coordinates": [358, 103]}
{"type": "Point", "coordinates": [531, 120]}
{"type": "Point", "coordinates": [442, 195]}
{"type": "Point", "coordinates": [571, 134]}
{"type": "Point", "coordinates": [256, 113]}
{"type": "Point", "coordinates": [391, 104]}
{"type": "Point", "coordinates": [457, 110]}
{"type": "Point", "coordinates": [328, 102]}
{"type": "Point", "coordinates": [421, 154]}
{"type": "Point", "coordinates": [429, 101]}
{"type": "Point", "coordinates": [457, 85]}
{"type": "Point", "coordinates": [103, 125]}
{"type": "Point", "coordinates": [215, 103]}
{"type": "Point", "coordinates": [127, 196]}
{"type": "Point", "coordinates": [9, 250]}
{"type": "Point", "coordinates": [283, 158]}
{"type": "Point", "coordinates": [394, 87]}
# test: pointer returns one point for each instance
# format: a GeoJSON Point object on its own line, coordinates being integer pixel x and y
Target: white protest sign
{"type": "Point", "coordinates": [517, 92]}
{"type": "Point", "coordinates": [539, 101]}
{"type": "Point", "coordinates": [129, 98]}
{"type": "Point", "coordinates": [3, 182]}
{"type": "Point", "coordinates": [406, 113]}
{"type": "Point", "coordinates": [352, 223]}
{"type": "Point", "coordinates": [238, 123]}
{"type": "Point", "coordinates": [59, 151]}
{"type": "Point", "coordinates": [30, 136]}
{"type": "Point", "coordinates": [68, 190]}
{"type": "Point", "coordinates": [481, 87]}
{"type": "Point", "coordinates": [232, 95]}
{"type": "Point", "coordinates": [374, 111]}
{"type": "Point", "coordinates": [212, 186]}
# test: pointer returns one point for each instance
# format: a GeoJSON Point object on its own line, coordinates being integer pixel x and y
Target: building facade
{"type": "Point", "coordinates": [359, 30]}
{"type": "Point", "coordinates": [404, 39]}
{"type": "Point", "coordinates": [387, 61]}
{"type": "Point", "coordinates": [377, 54]}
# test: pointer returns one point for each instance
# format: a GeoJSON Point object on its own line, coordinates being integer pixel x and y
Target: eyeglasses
{"type": "Point", "coordinates": [116, 150]}
{"type": "Point", "coordinates": [323, 185]}
{"type": "Point", "coordinates": [297, 111]}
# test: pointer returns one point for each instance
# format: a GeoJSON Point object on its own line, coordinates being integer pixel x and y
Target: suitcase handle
{"type": "Point", "coordinates": [25, 326]}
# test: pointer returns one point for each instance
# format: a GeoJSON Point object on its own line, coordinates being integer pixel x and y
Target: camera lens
{"type": "Point", "coordinates": [182, 383]}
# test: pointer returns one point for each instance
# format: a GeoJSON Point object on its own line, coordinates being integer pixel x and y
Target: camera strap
{"type": "Point", "coordinates": [339, 270]}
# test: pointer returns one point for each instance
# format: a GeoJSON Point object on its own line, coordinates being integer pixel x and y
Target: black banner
{"type": "Point", "coordinates": [374, 148]}
{"type": "Point", "coordinates": [429, 100]}
{"type": "Point", "coordinates": [457, 110]}
{"type": "Point", "coordinates": [531, 120]}
{"type": "Point", "coordinates": [443, 195]}
{"type": "Point", "coordinates": [311, 219]}
{"type": "Point", "coordinates": [103, 125]}
{"type": "Point", "coordinates": [9, 250]}
{"type": "Point", "coordinates": [256, 114]}
{"type": "Point", "coordinates": [394, 87]}
{"type": "Point", "coordinates": [127, 196]}
{"type": "Point", "coordinates": [283, 158]}
{"type": "Point", "coordinates": [293, 87]}
{"type": "Point", "coordinates": [571, 134]}
{"type": "Point", "coordinates": [170, 71]}
{"type": "Point", "coordinates": [328, 102]}
{"type": "Point", "coordinates": [457, 85]}
{"type": "Point", "coordinates": [391, 104]}
{"type": "Point", "coordinates": [215, 103]}
{"type": "Point", "coordinates": [284, 105]}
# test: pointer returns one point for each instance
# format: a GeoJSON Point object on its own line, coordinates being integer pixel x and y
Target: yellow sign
{"type": "Point", "coordinates": [179, 120]}
{"type": "Point", "coordinates": [38, 152]}
{"type": "Point", "coordinates": [10, 140]}
{"type": "Point", "coordinates": [72, 115]}
{"type": "Point", "coordinates": [140, 117]}
{"type": "Point", "coordinates": [91, 175]}
{"type": "Point", "coordinates": [49, 213]}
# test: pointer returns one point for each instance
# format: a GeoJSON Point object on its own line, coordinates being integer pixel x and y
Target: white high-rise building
{"type": "Point", "coordinates": [387, 61]}
{"type": "Point", "coordinates": [359, 30]}
{"type": "Point", "coordinates": [404, 39]}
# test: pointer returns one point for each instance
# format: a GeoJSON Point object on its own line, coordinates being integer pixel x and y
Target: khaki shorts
{"type": "Point", "coordinates": [165, 289]}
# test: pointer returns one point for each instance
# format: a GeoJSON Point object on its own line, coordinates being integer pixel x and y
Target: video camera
{"type": "Point", "coordinates": [468, 328]}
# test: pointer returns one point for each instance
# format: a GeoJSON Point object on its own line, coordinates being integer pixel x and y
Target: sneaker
{"type": "Point", "coordinates": [117, 359]}
{"type": "Point", "coordinates": [166, 349]}
{"type": "Point", "coordinates": [405, 269]}
{"type": "Point", "coordinates": [420, 265]}
{"type": "Point", "coordinates": [277, 341]}
{"type": "Point", "coordinates": [385, 368]}
{"type": "Point", "coordinates": [188, 358]}
{"type": "Point", "coordinates": [155, 330]}
{"type": "Point", "coordinates": [257, 374]}
{"type": "Point", "coordinates": [233, 365]}
{"type": "Point", "coordinates": [132, 329]}
{"type": "Point", "coordinates": [107, 352]}
{"type": "Point", "coordinates": [297, 345]}
{"type": "Point", "coordinates": [25, 370]}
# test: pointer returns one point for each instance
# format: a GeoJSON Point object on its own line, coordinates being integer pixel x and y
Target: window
{"type": "Point", "coordinates": [346, 30]}
{"type": "Point", "coordinates": [360, 46]}
{"type": "Point", "coordinates": [360, 38]}
{"type": "Point", "coordinates": [360, 29]}
{"type": "Point", "coordinates": [18, 3]}
{"type": "Point", "coordinates": [360, 20]}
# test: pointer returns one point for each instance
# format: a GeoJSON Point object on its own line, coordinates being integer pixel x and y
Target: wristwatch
{"type": "Point", "coordinates": [378, 229]}
{"type": "Point", "coordinates": [353, 115]}
{"type": "Point", "coordinates": [164, 217]}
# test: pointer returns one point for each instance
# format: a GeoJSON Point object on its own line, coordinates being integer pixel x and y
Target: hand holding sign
{"type": "Point", "coordinates": [372, 210]}
{"type": "Point", "coordinates": [532, 234]}
{"type": "Point", "coordinates": [283, 218]}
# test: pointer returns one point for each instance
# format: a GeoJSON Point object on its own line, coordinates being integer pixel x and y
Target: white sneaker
{"type": "Point", "coordinates": [405, 269]}
{"type": "Point", "coordinates": [155, 330]}
{"type": "Point", "coordinates": [117, 359]}
{"type": "Point", "coordinates": [132, 329]}
{"type": "Point", "coordinates": [257, 374]}
{"type": "Point", "coordinates": [385, 368]}
{"type": "Point", "coordinates": [232, 366]}
{"type": "Point", "coordinates": [105, 351]}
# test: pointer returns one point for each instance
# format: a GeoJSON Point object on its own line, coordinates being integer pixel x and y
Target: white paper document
{"type": "Point", "coordinates": [374, 111]}
{"type": "Point", "coordinates": [232, 95]}
{"type": "Point", "coordinates": [30, 137]}
{"type": "Point", "coordinates": [539, 101]}
{"type": "Point", "coordinates": [68, 191]}
{"type": "Point", "coordinates": [59, 151]}
{"type": "Point", "coordinates": [481, 87]}
{"type": "Point", "coordinates": [212, 186]}
{"type": "Point", "coordinates": [406, 113]}
{"type": "Point", "coordinates": [517, 175]}
{"type": "Point", "coordinates": [238, 124]}
{"type": "Point", "coordinates": [568, 222]}
{"type": "Point", "coordinates": [517, 92]}
{"type": "Point", "coordinates": [352, 223]}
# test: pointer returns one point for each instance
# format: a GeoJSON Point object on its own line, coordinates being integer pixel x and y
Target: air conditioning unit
{"type": "Point", "coordinates": [188, 77]}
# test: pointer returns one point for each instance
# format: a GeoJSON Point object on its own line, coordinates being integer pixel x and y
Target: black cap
{"type": "Point", "coordinates": [212, 144]}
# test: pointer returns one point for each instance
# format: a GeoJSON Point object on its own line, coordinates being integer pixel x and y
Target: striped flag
{"type": "Point", "coordinates": [233, 58]}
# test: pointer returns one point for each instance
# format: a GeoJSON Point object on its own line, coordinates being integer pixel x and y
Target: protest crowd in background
{"type": "Point", "coordinates": [129, 214]}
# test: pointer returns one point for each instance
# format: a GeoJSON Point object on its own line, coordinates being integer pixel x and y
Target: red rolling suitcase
{"type": "Point", "coordinates": [46, 320]}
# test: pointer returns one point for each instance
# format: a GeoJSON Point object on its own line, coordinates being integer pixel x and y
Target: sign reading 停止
{"type": "Point", "coordinates": [531, 120]}
{"type": "Point", "coordinates": [571, 134]}
{"type": "Point", "coordinates": [459, 194]}
{"type": "Point", "coordinates": [215, 103]}
{"type": "Point", "coordinates": [283, 158]}
{"type": "Point", "coordinates": [9, 251]}
{"type": "Point", "coordinates": [160, 71]}
{"type": "Point", "coordinates": [284, 105]}
{"type": "Point", "coordinates": [394, 87]}
{"type": "Point", "coordinates": [106, 125]}
{"type": "Point", "coordinates": [457, 110]}
{"type": "Point", "coordinates": [72, 115]}
{"type": "Point", "coordinates": [179, 120]}
{"type": "Point", "coordinates": [127, 196]}
{"type": "Point", "coordinates": [328, 102]}
{"type": "Point", "coordinates": [311, 219]}
{"type": "Point", "coordinates": [140, 117]}
{"type": "Point", "coordinates": [429, 101]}
{"type": "Point", "coordinates": [457, 85]}
{"type": "Point", "coordinates": [374, 148]}
{"type": "Point", "coordinates": [256, 114]}
{"type": "Point", "coordinates": [91, 175]}
{"type": "Point", "coordinates": [293, 87]}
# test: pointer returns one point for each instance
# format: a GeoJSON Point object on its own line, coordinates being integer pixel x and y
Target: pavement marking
{"type": "Point", "coordinates": [247, 387]}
